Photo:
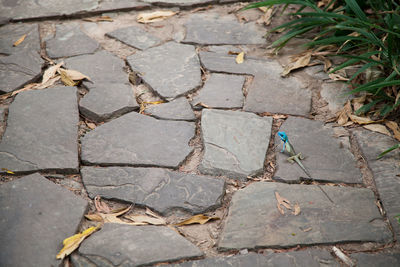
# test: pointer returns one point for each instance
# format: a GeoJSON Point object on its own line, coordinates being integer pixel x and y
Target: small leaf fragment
{"type": "Point", "coordinates": [240, 58]}
{"type": "Point", "coordinates": [20, 40]}
{"type": "Point", "coordinates": [343, 115]}
{"type": "Point", "coordinates": [145, 219]}
{"type": "Point", "coordinates": [76, 75]}
{"type": "Point", "coordinates": [154, 16]}
{"type": "Point", "coordinates": [297, 209]}
{"type": "Point", "coordinates": [97, 19]}
{"type": "Point", "coordinates": [100, 205]}
{"type": "Point", "coordinates": [379, 128]}
{"type": "Point", "coordinates": [71, 243]}
{"type": "Point", "coordinates": [395, 128]}
{"type": "Point", "coordinates": [7, 171]}
{"type": "Point", "coordinates": [199, 218]}
{"type": "Point", "coordinates": [94, 217]}
{"type": "Point", "coordinates": [66, 79]}
{"type": "Point", "coordinates": [281, 201]}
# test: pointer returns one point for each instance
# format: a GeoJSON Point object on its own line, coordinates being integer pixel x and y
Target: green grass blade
{"type": "Point", "coordinates": [356, 9]}
{"type": "Point", "coordinates": [388, 150]}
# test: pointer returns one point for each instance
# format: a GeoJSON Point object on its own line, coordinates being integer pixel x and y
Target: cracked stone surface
{"type": "Point", "coordinates": [311, 258]}
{"type": "Point", "coordinates": [221, 91]}
{"type": "Point", "coordinates": [319, 222]}
{"type": "Point", "coordinates": [327, 157]}
{"type": "Point", "coordinates": [12, 32]}
{"type": "Point", "coordinates": [138, 140]}
{"type": "Point", "coordinates": [70, 41]}
{"type": "Point", "coordinates": [214, 29]}
{"type": "Point", "coordinates": [113, 245]}
{"type": "Point", "coordinates": [19, 69]}
{"type": "Point", "coordinates": [31, 210]}
{"type": "Point", "coordinates": [177, 109]}
{"type": "Point", "coordinates": [171, 69]}
{"type": "Point", "coordinates": [160, 189]}
{"type": "Point", "coordinates": [135, 37]}
{"type": "Point", "coordinates": [372, 260]}
{"type": "Point", "coordinates": [385, 170]}
{"type": "Point", "coordinates": [42, 131]}
{"type": "Point", "coordinates": [108, 100]}
{"type": "Point", "coordinates": [235, 143]}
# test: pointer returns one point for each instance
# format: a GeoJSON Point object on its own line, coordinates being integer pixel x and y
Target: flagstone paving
{"type": "Point", "coordinates": [170, 121]}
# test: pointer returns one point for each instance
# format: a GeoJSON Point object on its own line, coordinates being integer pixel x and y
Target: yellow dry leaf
{"type": "Point", "coordinates": [155, 16]}
{"type": "Point", "coordinates": [154, 102]}
{"type": "Point", "coordinates": [361, 120]}
{"type": "Point", "coordinates": [299, 62]}
{"type": "Point", "coordinates": [20, 40]}
{"type": "Point", "coordinates": [66, 79]}
{"type": "Point", "coordinates": [240, 58]}
{"type": "Point", "coordinates": [343, 115]}
{"type": "Point", "coordinates": [297, 209]}
{"type": "Point", "coordinates": [50, 72]}
{"type": "Point", "coordinates": [76, 75]}
{"type": "Point", "coordinates": [281, 201]}
{"type": "Point", "coordinates": [7, 171]}
{"type": "Point", "coordinates": [395, 128]}
{"type": "Point", "coordinates": [199, 218]}
{"type": "Point", "coordinates": [97, 19]}
{"type": "Point", "coordinates": [71, 243]}
{"type": "Point", "coordinates": [379, 128]}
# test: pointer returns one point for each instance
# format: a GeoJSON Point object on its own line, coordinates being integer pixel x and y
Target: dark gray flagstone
{"type": "Point", "coordinates": [9, 34]}
{"type": "Point", "coordinates": [374, 259]}
{"type": "Point", "coordinates": [159, 189]}
{"type": "Point", "coordinates": [183, 3]}
{"type": "Point", "coordinates": [177, 109]}
{"type": "Point", "coordinates": [135, 37]}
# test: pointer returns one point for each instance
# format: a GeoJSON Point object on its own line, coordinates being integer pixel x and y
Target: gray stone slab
{"type": "Point", "coordinates": [135, 37]}
{"type": "Point", "coordinates": [19, 69]}
{"type": "Point", "coordinates": [42, 131]}
{"type": "Point", "coordinates": [29, 9]}
{"type": "Point", "coordinates": [375, 260]}
{"type": "Point", "coordinates": [159, 189]}
{"type": "Point", "coordinates": [101, 67]}
{"type": "Point", "coordinates": [9, 34]}
{"type": "Point", "coordinates": [177, 109]}
{"type": "Point", "coordinates": [271, 93]}
{"type": "Point", "coordinates": [235, 143]}
{"type": "Point", "coordinates": [255, 222]}
{"type": "Point", "coordinates": [310, 258]}
{"type": "Point", "coordinates": [36, 215]}
{"type": "Point", "coordinates": [385, 171]}
{"type": "Point", "coordinates": [221, 91]}
{"type": "Point", "coordinates": [138, 140]}
{"type": "Point", "coordinates": [70, 41]}
{"type": "Point", "coordinates": [108, 100]}
{"type": "Point", "coordinates": [183, 3]}
{"type": "Point", "coordinates": [133, 246]}
{"type": "Point", "coordinates": [112, 5]}
{"type": "Point", "coordinates": [326, 157]}
{"type": "Point", "coordinates": [214, 29]}
{"type": "Point", "coordinates": [170, 69]}
{"type": "Point", "coordinates": [335, 94]}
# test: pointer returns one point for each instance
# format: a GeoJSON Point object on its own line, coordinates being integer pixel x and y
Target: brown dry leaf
{"type": "Point", "coordinates": [100, 205]}
{"type": "Point", "coordinates": [199, 218]}
{"type": "Point", "coordinates": [113, 217]}
{"type": "Point", "coordinates": [47, 84]}
{"type": "Point", "coordinates": [145, 219]}
{"type": "Point", "coordinates": [266, 18]}
{"type": "Point", "coordinates": [240, 58]}
{"type": "Point", "coordinates": [281, 201]}
{"type": "Point", "coordinates": [66, 79]}
{"type": "Point", "coordinates": [395, 128]}
{"type": "Point", "coordinates": [97, 19]}
{"type": "Point", "coordinates": [50, 72]}
{"type": "Point", "coordinates": [263, 8]}
{"type": "Point", "coordinates": [91, 125]}
{"type": "Point", "coordinates": [358, 102]}
{"type": "Point", "coordinates": [155, 16]}
{"type": "Point", "coordinates": [297, 209]}
{"type": "Point", "coordinates": [297, 62]}
{"type": "Point", "coordinates": [307, 229]}
{"type": "Point", "coordinates": [379, 128]}
{"type": "Point", "coordinates": [94, 217]}
{"type": "Point", "coordinates": [343, 115]}
{"type": "Point", "coordinates": [20, 40]}
{"type": "Point", "coordinates": [201, 104]}
{"type": "Point", "coordinates": [233, 53]}
{"type": "Point", "coordinates": [279, 116]}
{"type": "Point", "coordinates": [76, 75]}
{"type": "Point", "coordinates": [361, 120]}
{"type": "Point", "coordinates": [337, 77]}
{"type": "Point", "coordinates": [71, 243]}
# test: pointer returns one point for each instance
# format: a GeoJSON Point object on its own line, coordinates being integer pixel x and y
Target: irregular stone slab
{"type": "Point", "coordinates": [159, 189]}
{"type": "Point", "coordinates": [135, 37]}
{"type": "Point", "coordinates": [113, 5]}
{"type": "Point", "coordinates": [30, 9]}
{"type": "Point", "coordinates": [271, 93]}
{"type": "Point", "coordinates": [184, 3]}
{"type": "Point", "coordinates": [108, 100]}
{"type": "Point", "coordinates": [326, 157]}
{"type": "Point", "coordinates": [311, 258]}
{"type": "Point", "coordinates": [101, 67]}
{"type": "Point", "coordinates": [372, 260]}
{"type": "Point", "coordinates": [36, 215]}
{"type": "Point", "coordinates": [235, 143]}
{"type": "Point", "coordinates": [133, 246]}
{"type": "Point", "coordinates": [170, 69]}
{"type": "Point", "coordinates": [178, 109]}
{"type": "Point", "coordinates": [385, 171]}
{"type": "Point", "coordinates": [212, 28]}
{"type": "Point", "coordinates": [255, 222]}
{"type": "Point", "coordinates": [70, 41]}
{"type": "Point", "coordinates": [11, 33]}
{"type": "Point", "coordinates": [138, 140]}
{"type": "Point", "coordinates": [19, 69]}
{"type": "Point", "coordinates": [335, 95]}
{"type": "Point", "coordinates": [42, 131]}
{"type": "Point", "coordinates": [221, 91]}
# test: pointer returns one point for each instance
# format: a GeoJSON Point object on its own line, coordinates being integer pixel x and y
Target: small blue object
{"type": "Point", "coordinates": [284, 139]}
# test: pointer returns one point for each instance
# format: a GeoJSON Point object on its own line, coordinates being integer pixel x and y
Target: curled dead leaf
{"type": "Point", "coordinates": [20, 40]}
{"type": "Point", "coordinates": [240, 58]}
{"type": "Point", "coordinates": [266, 18]}
{"type": "Point", "coordinates": [97, 19]}
{"type": "Point", "coordinates": [145, 219]}
{"type": "Point", "coordinates": [66, 79]}
{"type": "Point", "coordinates": [76, 75]}
{"type": "Point", "coordinates": [298, 61]}
{"type": "Point", "coordinates": [297, 209]}
{"type": "Point", "coordinates": [361, 120]}
{"type": "Point", "coordinates": [395, 129]}
{"type": "Point", "coordinates": [100, 205]}
{"type": "Point", "coordinates": [155, 16]}
{"type": "Point", "coordinates": [358, 102]}
{"type": "Point", "coordinates": [281, 201]}
{"type": "Point", "coordinates": [51, 72]}
{"type": "Point", "coordinates": [343, 115]}
{"type": "Point", "coordinates": [199, 218]}
{"type": "Point", "coordinates": [379, 128]}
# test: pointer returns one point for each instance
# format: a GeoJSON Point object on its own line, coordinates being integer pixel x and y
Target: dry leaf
{"type": "Point", "coordinates": [343, 257]}
{"type": "Point", "coordinates": [97, 19]}
{"type": "Point", "coordinates": [337, 77]}
{"type": "Point", "coordinates": [395, 128]}
{"type": "Point", "coordinates": [240, 58]}
{"type": "Point", "coordinates": [76, 75]}
{"type": "Point", "coordinates": [94, 217]}
{"type": "Point", "coordinates": [145, 219]}
{"type": "Point", "coordinates": [154, 16]}
{"type": "Point", "coordinates": [154, 102]}
{"type": "Point", "coordinates": [361, 120]}
{"type": "Point", "coordinates": [266, 18]}
{"type": "Point", "coordinates": [8, 171]}
{"type": "Point", "coordinates": [200, 218]}
{"type": "Point", "coordinates": [233, 53]}
{"type": "Point", "coordinates": [297, 209]}
{"type": "Point", "coordinates": [358, 102]}
{"type": "Point", "coordinates": [379, 128]}
{"type": "Point", "coordinates": [201, 104]}
{"type": "Point", "coordinates": [281, 201]}
{"type": "Point", "coordinates": [20, 40]}
{"type": "Point", "coordinates": [50, 72]}
{"type": "Point", "coordinates": [307, 229]}
{"type": "Point", "coordinates": [299, 62]}
{"type": "Point", "coordinates": [343, 115]}
{"type": "Point", "coordinates": [71, 243]}
{"type": "Point", "coordinates": [91, 125]}
{"type": "Point", "coordinates": [263, 8]}
{"type": "Point", "coordinates": [100, 205]}
{"type": "Point", "coordinates": [66, 79]}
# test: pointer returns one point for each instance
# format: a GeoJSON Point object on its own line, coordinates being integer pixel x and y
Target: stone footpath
{"type": "Point", "coordinates": [171, 122]}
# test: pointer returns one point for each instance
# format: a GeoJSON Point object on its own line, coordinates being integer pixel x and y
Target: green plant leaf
{"type": "Point", "coordinates": [388, 150]}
